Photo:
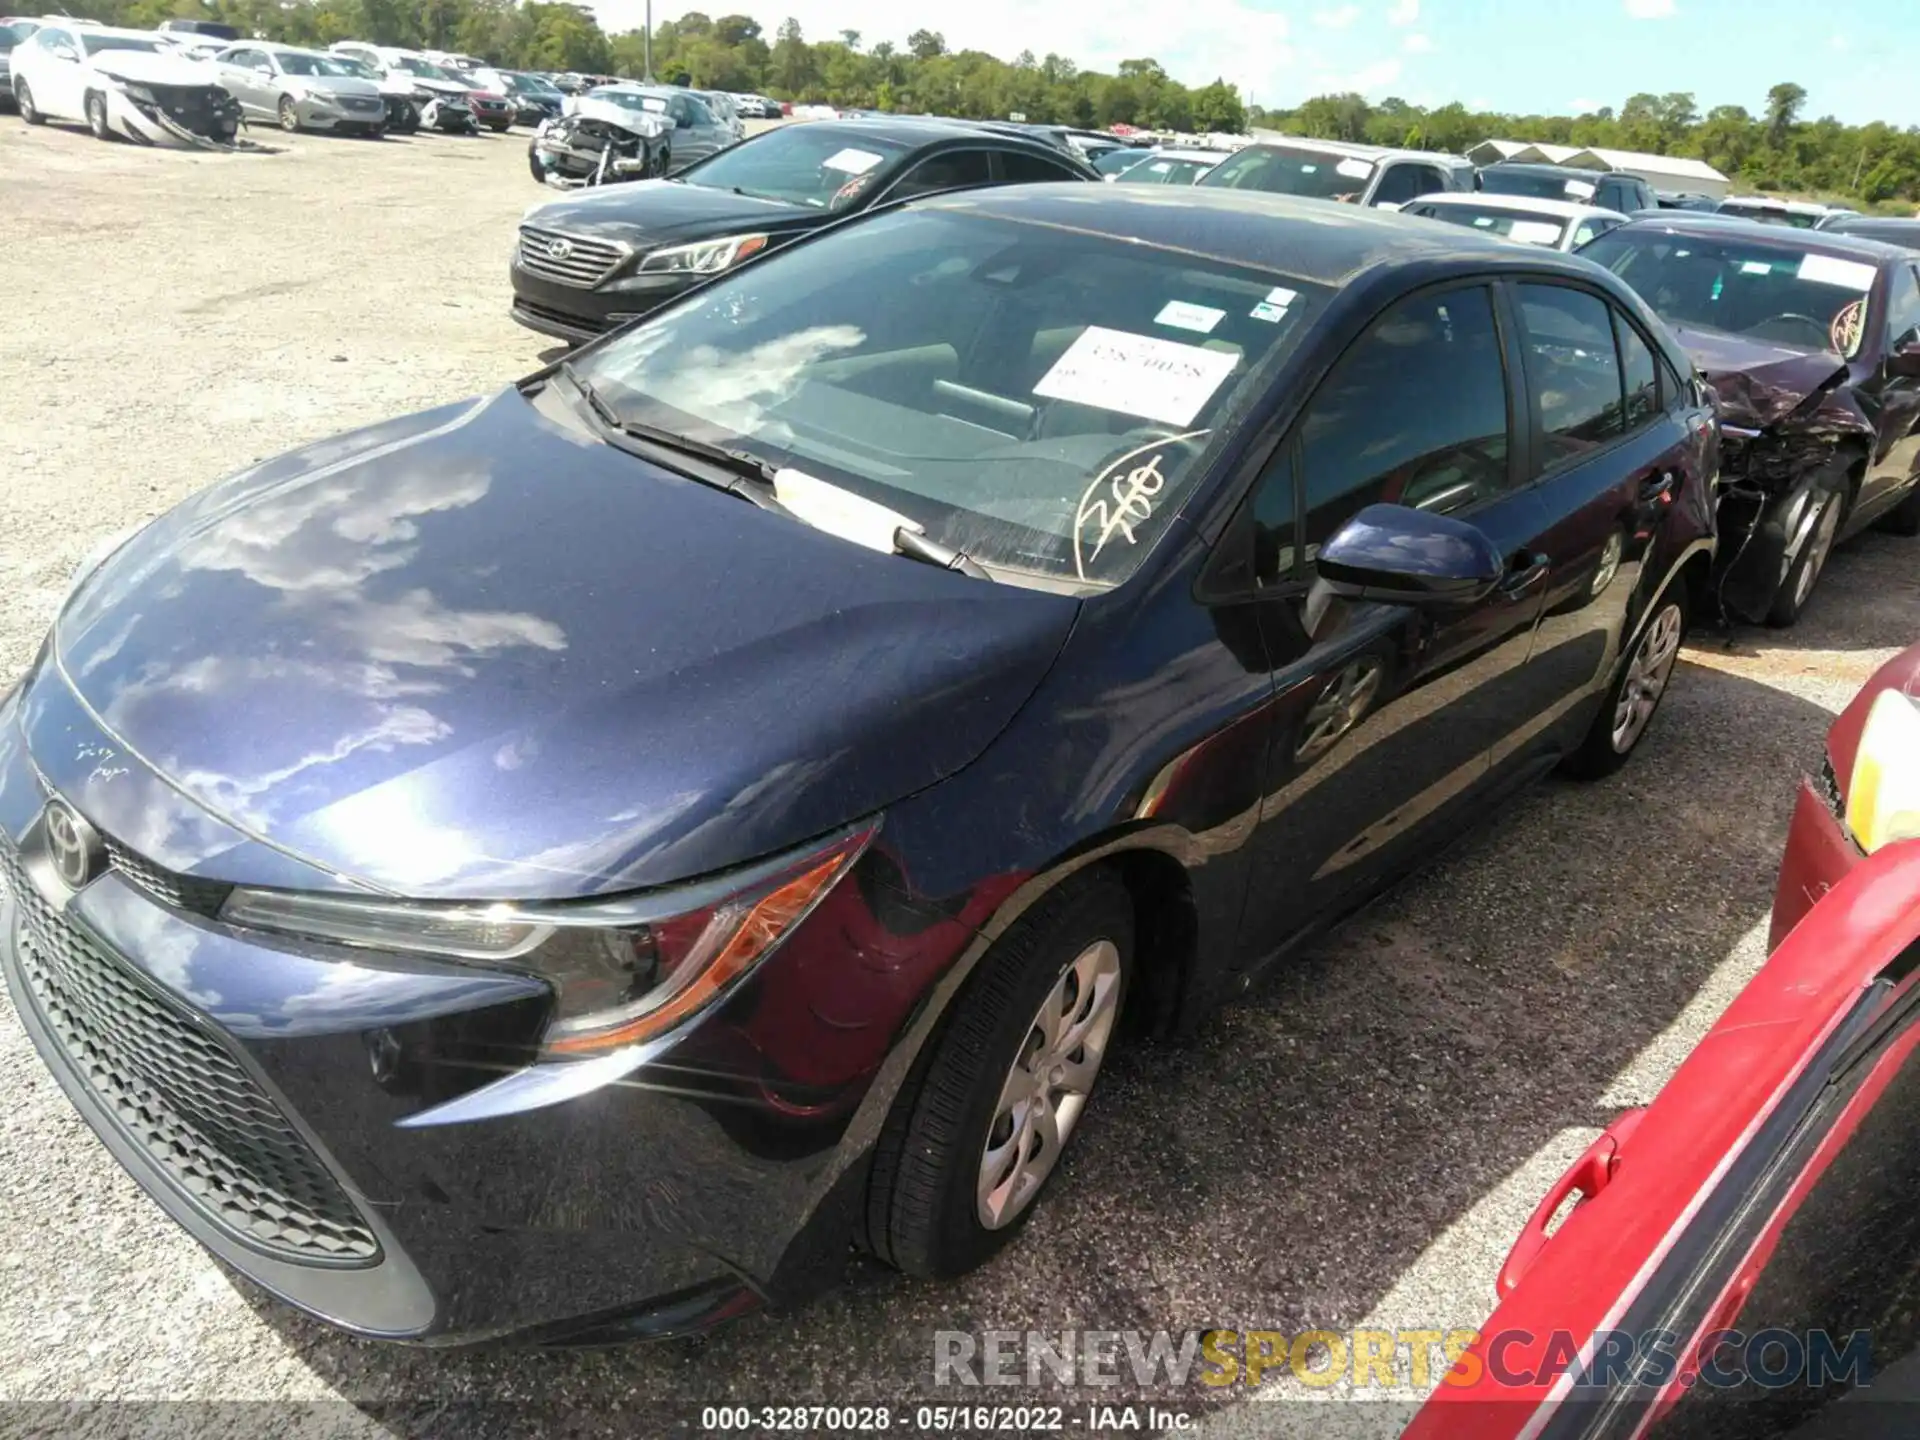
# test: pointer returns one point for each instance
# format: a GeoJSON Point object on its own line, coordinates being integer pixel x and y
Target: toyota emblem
{"type": "Point", "coordinates": [72, 844]}
{"type": "Point", "coordinates": [559, 249]}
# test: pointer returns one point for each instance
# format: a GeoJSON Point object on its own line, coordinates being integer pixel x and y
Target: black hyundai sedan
{"type": "Point", "coordinates": [565, 864]}
{"type": "Point", "coordinates": [593, 261]}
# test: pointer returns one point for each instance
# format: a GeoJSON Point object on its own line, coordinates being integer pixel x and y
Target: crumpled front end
{"type": "Point", "coordinates": [201, 117]}
{"type": "Point", "coordinates": [588, 149]}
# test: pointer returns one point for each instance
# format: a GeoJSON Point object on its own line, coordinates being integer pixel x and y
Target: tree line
{"type": "Point", "coordinates": [1776, 149]}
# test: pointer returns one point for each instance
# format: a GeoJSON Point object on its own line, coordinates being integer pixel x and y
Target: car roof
{"type": "Point", "coordinates": [1824, 242]}
{"type": "Point", "coordinates": [1517, 204]}
{"type": "Point", "coordinates": [1359, 152]}
{"type": "Point", "coordinates": [1310, 240]}
{"type": "Point", "coordinates": [1866, 227]}
{"type": "Point", "coordinates": [1536, 167]}
{"type": "Point", "coordinates": [923, 129]}
{"type": "Point", "coordinates": [1177, 152]}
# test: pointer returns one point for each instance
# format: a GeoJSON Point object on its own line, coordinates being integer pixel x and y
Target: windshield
{"type": "Point", "coordinates": [1115, 161]}
{"type": "Point", "coordinates": [630, 100]}
{"type": "Point", "coordinates": [12, 35]}
{"type": "Point", "coordinates": [1318, 174]}
{"type": "Point", "coordinates": [1783, 294]}
{"type": "Point", "coordinates": [426, 69]}
{"type": "Point", "coordinates": [820, 166]}
{"type": "Point", "coordinates": [1769, 215]}
{"type": "Point", "coordinates": [1528, 229]}
{"type": "Point", "coordinates": [1038, 397]}
{"type": "Point", "coordinates": [295, 63]}
{"type": "Point", "coordinates": [351, 65]}
{"type": "Point", "coordinates": [1540, 185]}
{"type": "Point", "coordinates": [95, 44]}
{"type": "Point", "coordinates": [529, 85]}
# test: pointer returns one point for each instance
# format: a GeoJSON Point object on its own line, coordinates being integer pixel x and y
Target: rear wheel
{"type": "Point", "coordinates": [981, 1125]}
{"type": "Point", "coordinates": [1636, 692]}
{"type": "Point", "coordinates": [23, 98]}
{"type": "Point", "coordinates": [1804, 574]}
{"type": "Point", "coordinates": [97, 117]}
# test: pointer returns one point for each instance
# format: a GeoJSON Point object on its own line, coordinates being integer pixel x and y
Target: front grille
{"type": "Point", "coordinates": [586, 263]}
{"type": "Point", "coordinates": [175, 1090]}
{"type": "Point", "coordinates": [560, 317]}
{"type": "Point", "coordinates": [182, 892]}
{"type": "Point", "coordinates": [366, 104]}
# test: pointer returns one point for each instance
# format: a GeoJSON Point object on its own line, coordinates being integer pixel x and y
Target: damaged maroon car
{"type": "Point", "coordinates": [1811, 342]}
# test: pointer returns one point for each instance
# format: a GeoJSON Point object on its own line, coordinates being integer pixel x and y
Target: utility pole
{"type": "Point", "coordinates": [648, 42]}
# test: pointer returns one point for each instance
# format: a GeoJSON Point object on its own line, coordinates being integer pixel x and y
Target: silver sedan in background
{"type": "Point", "coordinates": [695, 133]}
{"type": "Point", "coordinates": [301, 89]}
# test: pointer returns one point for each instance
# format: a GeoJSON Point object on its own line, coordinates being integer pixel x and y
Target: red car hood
{"type": "Point", "coordinates": [1901, 673]}
{"type": "Point", "coordinates": [1592, 1267]}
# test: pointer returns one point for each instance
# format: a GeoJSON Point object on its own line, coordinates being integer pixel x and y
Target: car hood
{"type": "Point", "coordinates": [642, 212]}
{"type": "Point", "coordinates": [145, 67]}
{"type": "Point", "coordinates": [1758, 383]}
{"type": "Point", "coordinates": [448, 88]}
{"type": "Point", "coordinates": [476, 653]}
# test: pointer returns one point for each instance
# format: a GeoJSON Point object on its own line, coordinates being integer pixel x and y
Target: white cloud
{"type": "Point", "coordinates": [1198, 42]}
{"type": "Point", "coordinates": [1649, 9]}
{"type": "Point", "coordinates": [1403, 12]}
{"type": "Point", "coordinates": [1416, 44]}
{"type": "Point", "coordinates": [1337, 19]}
{"type": "Point", "coordinates": [1585, 107]}
{"type": "Point", "coordinates": [1373, 80]}
{"type": "Point", "coordinates": [1838, 42]}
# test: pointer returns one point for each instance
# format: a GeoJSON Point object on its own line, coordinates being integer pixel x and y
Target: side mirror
{"type": "Point", "coordinates": [1905, 359]}
{"type": "Point", "coordinates": [1403, 556]}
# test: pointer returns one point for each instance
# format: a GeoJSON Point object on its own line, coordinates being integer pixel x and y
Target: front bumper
{"type": "Point", "coordinates": [174, 122]}
{"type": "Point", "coordinates": [1818, 856]}
{"type": "Point", "coordinates": [371, 1137]}
{"type": "Point", "coordinates": [579, 314]}
{"type": "Point", "coordinates": [321, 116]}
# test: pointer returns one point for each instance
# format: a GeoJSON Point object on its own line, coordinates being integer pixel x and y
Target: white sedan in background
{"type": "Point", "coordinates": [1556, 224]}
{"type": "Point", "coordinates": [125, 84]}
{"type": "Point", "coordinates": [1168, 167]}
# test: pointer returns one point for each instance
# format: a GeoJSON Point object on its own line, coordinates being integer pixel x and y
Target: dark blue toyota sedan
{"type": "Point", "coordinates": [565, 865]}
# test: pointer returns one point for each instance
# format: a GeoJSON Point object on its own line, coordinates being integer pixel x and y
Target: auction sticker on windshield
{"type": "Point", "coordinates": [1184, 316]}
{"type": "Point", "coordinates": [852, 162]}
{"type": "Point", "coordinates": [1826, 270]}
{"type": "Point", "coordinates": [1156, 379]}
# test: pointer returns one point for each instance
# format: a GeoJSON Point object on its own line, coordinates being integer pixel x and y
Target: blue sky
{"type": "Point", "coordinates": [1858, 59]}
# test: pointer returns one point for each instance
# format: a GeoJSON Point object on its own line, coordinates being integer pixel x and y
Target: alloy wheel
{"type": "Point", "coordinates": [289, 117]}
{"type": "Point", "coordinates": [1047, 1087]}
{"type": "Point", "coordinates": [1647, 676]}
{"type": "Point", "coordinates": [1819, 546]}
{"type": "Point", "coordinates": [97, 117]}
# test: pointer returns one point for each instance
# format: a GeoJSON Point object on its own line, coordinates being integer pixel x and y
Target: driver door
{"type": "Point", "coordinates": [59, 80]}
{"type": "Point", "coordinates": [1387, 713]}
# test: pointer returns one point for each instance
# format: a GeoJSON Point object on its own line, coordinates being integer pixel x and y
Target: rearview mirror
{"type": "Point", "coordinates": [1403, 556]}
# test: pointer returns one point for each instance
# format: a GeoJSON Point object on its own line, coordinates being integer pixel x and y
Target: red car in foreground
{"type": "Point", "coordinates": [1866, 796]}
{"type": "Point", "coordinates": [1742, 1257]}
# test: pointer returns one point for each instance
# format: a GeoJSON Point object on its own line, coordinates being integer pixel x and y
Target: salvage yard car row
{"type": "Point", "coordinates": [563, 792]}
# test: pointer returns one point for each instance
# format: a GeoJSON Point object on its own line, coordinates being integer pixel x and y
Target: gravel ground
{"type": "Point", "coordinates": [1355, 1144]}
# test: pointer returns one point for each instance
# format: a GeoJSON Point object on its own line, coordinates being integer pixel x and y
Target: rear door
{"type": "Point", "coordinates": [1385, 713]}
{"type": "Point", "coordinates": [1617, 446]}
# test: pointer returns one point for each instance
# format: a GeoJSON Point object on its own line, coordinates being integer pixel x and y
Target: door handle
{"type": "Point", "coordinates": [1526, 572]}
{"type": "Point", "coordinates": [1658, 487]}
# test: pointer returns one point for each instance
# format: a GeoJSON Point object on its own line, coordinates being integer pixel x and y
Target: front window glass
{"type": "Point", "coordinates": [1573, 369]}
{"type": "Point", "coordinates": [819, 166]}
{"type": "Point", "coordinates": [294, 63]}
{"type": "Point", "coordinates": [1038, 397]}
{"type": "Point", "coordinates": [1318, 174]}
{"type": "Point", "coordinates": [1780, 293]}
{"type": "Point", "coordinates": [630, 100]}
{"type": "Point", "coordinates": [531, 85]}
{"type": "Point", "coordinates": [426, 69]}
{"type": "Point", "coordinates": [354, 65]}
{"type": "Point", "coordinates": [95, 44]}
{"type": "Point", "coordinates": [12, 35]}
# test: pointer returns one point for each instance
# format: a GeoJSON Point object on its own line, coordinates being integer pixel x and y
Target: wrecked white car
{"type": "Point", "coordinates": [124, 84]}
{"type": "Point", "coordinates": [599, 143]}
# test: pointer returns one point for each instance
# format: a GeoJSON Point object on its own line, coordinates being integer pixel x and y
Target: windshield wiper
{"type": "Point", "coordinates": [915, 546]}
{"type": "Point", "coordinates": [746, 474]}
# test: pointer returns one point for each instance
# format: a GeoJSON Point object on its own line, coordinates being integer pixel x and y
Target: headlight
{"type": "Point", "coordinates": [1883, 797]}
{"type": "Point", "coordinates": [706, 257]}
{"type": "Point", "coordinates": [137, 92]}
{"type": "Point", "coordinates": [623, 971]}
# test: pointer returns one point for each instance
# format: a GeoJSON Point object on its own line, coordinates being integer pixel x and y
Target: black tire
{"type": "Point", "coordinates": [289, 115]}
{"type": "Point", "coordinates": [409, 121]}
{"type": "Point", "coordinates": [1611, 741]}
{"type": "Point", "coordinates": [922, 1196]}
{"type": "Point", "coordinates": [23, 99]}
{"type": "Point", "coordinates": [662, 164]}
{"type": "Point", "coordinates": [97, 122]}
{"type": "Point", "coordinates": [1803, 576]}
{"type": "Point", "coordinates": [1904, 518]}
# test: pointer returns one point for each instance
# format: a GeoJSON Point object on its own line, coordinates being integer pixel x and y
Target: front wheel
{"type": "Point", "coordinates": [981, 1125]}
{"type": "Point", "coordinates": [289, 115]}
{"type": "Point", "coordinates": [1636, 692]}
{"type": "Point", "coordinates": [1797, 588]}
{"type": "Point", "coordinates": [97, 117]}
